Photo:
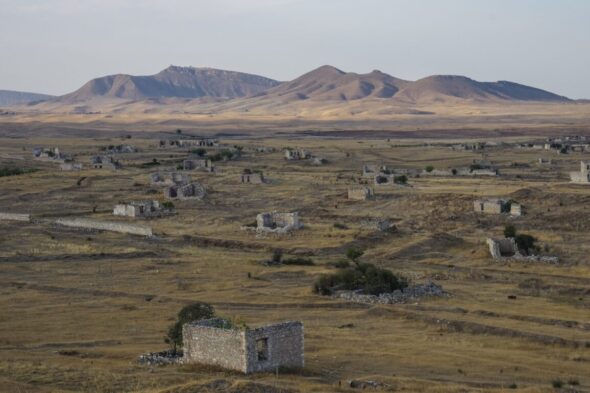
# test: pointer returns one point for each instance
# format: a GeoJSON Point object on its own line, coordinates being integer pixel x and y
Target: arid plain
{"type": "Point", "coordinates": [78, 307]}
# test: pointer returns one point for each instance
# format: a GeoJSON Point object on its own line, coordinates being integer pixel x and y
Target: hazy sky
{"type": "Point", "coordinates": [54, 46]}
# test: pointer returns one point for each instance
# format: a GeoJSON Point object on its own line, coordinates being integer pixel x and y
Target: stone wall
{"type": "Point", "coordinates": [490, 206]}
{"type": "Point", "coordinates": [88, 223]}
{"type": "Point", "coordinates": [245, 350]}
{"type": "Point", "coordinates": [360, 194]}
{"type": "Point", "coordinates": [277, 222]}
{"type": "Point", "coordinates": [15, 217]}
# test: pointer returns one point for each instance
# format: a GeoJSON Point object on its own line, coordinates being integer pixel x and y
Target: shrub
{"type": "Point", "coordinates": [354, 253]}
{"type": "Point", "coordinates": [573, 382]}
{"type": "Point", "coordinates": [340, 264]}
{"type": "Point", "coordinates": [454, 171]}
{"type": "Point", "coordinates": [403, 179]}
{"type": "Point", "coordinates": [298, 261]}
{"type": "Point", "coordinates": [6, 171]}
{"type": "Point", "coordinates": [429, 168]}
{"type": "Point", "coordinates": [510, 230]}
{"type": "Point", "coordinates": [199, 152]}
{"type": "Point", "coordinates": [168, 205]}
{"type": "Point", "coordinates": [364, 276]}
{"type": "Point", "coordinates": [338, 225]}
{"type": "Point", "coordinates": [557, 383]}
{"type": "Point", "coordinates": [527, 243]}
{"type": "Point", "coordinates": [190, 313]}
{"type": "Point", "coordinates": [277, 255]}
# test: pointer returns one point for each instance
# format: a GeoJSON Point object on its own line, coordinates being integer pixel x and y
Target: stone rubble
{"type": "Point", "coordinates": [162, 358]}
{"type": "Point", "coordinates": [414, 292]}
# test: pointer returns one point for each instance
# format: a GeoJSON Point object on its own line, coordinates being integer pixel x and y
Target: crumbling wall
{"type": "Point", "coordinates": [284, 343]}
{"type": "Point", "coordinates": [15, 217]}
{"type": "Point", "coordinates": [88, 223]}
{"type": "Point", "coordinates": [502, 248]}
{"type": "Point", "coordinates": [360, 194]}
{"type": "Point", "coordinates": [277, 222]}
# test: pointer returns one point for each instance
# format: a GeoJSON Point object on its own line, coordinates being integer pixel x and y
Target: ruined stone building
{"type": "Point", "coordinates": [167, 179]}
{"type": "Point", "coordinates": [104, 162]}
{"type": "Point", "coordinates": [584, 175]}
{"type": "Point", "coordinates": [185, 191]}
{"type": "Point", "coordinates": [199, 164]}
{"type": "Point", "coordinates": [297, 154]}
{"type": "Point", "coordinates": [503, 248]}
{"type": "Point", "coordinates": [247, 350]}
{"type": "Point", "coordinates": [360, 193]}
{"type": "Point", "coordinates": [70, 166]}
{"type": "Point", "coordinates": [139, 209]}
{"type": "Point", "coordinates": [205, 142]}
{"type": "Point", "coordinates": [277, 222]}
{"type": "Point", "coordinates": [49, 154]}
{"type": "Point", "coordinates": [497, 206]}
{"type": "Point", "coordinates": [252, 178]}
{"type": "Point", "coordinates": [119, 149]}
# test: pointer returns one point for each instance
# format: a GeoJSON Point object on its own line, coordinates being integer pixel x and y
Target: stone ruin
{"type": "Point", "coordinates": [275, 222]}
{"type": "Point", "coordinates": [497, 206]}
{"type": "Point", "coordinates": [104, 162]}
{"type": "Point", "coordinates": [167, 179]}
{"type": "Point", "coordinates": [508, 249]}
{"type": "Point", "coordinates": [49, 154]}
{"type": "Point", "coordinates": [583, 176]}
{"type": "Point", "coordinates": [185, 191]}
{"type": "Point", "coordinates": [198, 164]}
{"type": "Point", "coordinates": [70, 167]}
{"type": "Point", "coordinates": [361, 193]}
{"type": "Point", "coordinates": [252, 178]}
{"type": "Point", "coordinates": [297, 154]}
{"type": "Point", "coordinates": [119, 149]}
{"type": "Point", "coordinates": [164, 143]}
{"type": "Point", "coordinates": [378, 224]}
{"type": "Point", "coordinates": [248, 350]}
{"type": "Point", "coordinates": [544, 161]}
{"type": "Point", "coordinates": [139, 209]}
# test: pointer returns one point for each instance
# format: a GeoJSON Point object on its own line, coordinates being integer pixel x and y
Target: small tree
{"type": "Point", "coordinates": [277, 255]}
{"type": "Point", "coordinates": [190, 313]}
{"type": "Point", "coordinates": [199, 152]}
{"type": "Point", "coordinates": [429, 168]}
{"type": "Point", "coordinates": [354, 253]}
{"type": "Point", "coordinates": [509, 231]}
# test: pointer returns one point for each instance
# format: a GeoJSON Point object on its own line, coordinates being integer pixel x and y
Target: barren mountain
{"type": "Point", "coordinates": [9, 97]}
{"type": "Point", "coordinates": [183, 82]}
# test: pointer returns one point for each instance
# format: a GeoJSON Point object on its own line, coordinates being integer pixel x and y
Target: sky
{"type": "Point", "coordinates": [55, 46]}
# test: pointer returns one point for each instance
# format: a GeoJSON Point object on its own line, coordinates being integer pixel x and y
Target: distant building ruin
{"type": "Point", "coordinates": [507, 248]}
{"type": "Point", "coordinates": [361, 193]}
{"type": "Point", "coordinates": [139, 209]}
{"type": "Point", "coordinates": [297, 154]}
{"type": "Point", "coordinates": [252, 178]}
{"type": "Point", "coordinates": [49, 154]}
{"type": "Point", "coordinates": [177, 143]}
{"type": "Point", "coordinates": [104, 162]}
{"type": "Point", "coordinates": [497, 206]}
{"type": "Point", "coordinates": [70, 166]}
{"type": "Point", "coordinates": [584, 175]}
{"type": "Point", "coordinates": [167, 179]}
{"type": "Point", "coordinates": [247, 350]}
{"type": "Point", "coordinates": [185, 191]}
{"type": "Point", "coordinates": [198, 164]}
{"type": "Point", "coordinates": [119, 149]}
{"type": "Point", "coordinates": [277, 222]}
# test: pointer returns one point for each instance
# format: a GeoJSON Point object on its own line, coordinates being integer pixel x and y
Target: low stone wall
{"type": "Point", "coordinates": [15, 217]}
{"type": "Point", "coordinates": [87, 223]}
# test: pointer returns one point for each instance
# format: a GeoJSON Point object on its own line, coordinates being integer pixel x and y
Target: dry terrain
{"type": "Point", "coordinates": [77, 308]}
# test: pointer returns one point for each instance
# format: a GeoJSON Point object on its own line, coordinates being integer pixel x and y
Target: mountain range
{"type": "Point", "coordinates": [9, 97]}
{"type": "Point", "coordinates": [326, 89]}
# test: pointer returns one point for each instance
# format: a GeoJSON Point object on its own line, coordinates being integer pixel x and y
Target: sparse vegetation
{"type": "Point", "coordinates": [190, 313]}
{"type": "Point", "coordinates": [10, 171]}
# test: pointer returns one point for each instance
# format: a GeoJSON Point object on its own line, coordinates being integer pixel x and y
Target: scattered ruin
{"type": "Point", "coordinates": [176, 143]}
{"type": "Point", "coordinates": [247, 350]}
{"type": "Point", "coordinates": [140, 209]}
{"type": "Point", "coordinates": [252, 178]}
{"type": "Point", "coordinates": [49, 154]}
{"type": "Point", "coordinates": [119, 149]}
{"type": "Point", "coordinates": [361, 193]}
{"type": "Point", "coordinates": [167, 179]}
{"type": "Point", "coordinates": [507, 248]}
{"type": "Point", "coordinates": [70, 167]}
{"type": "Point", "coordinates": [88, 223]}
{"type": "Point", "coordinates": [297, 154]}
{"type": "Point", "coordinates": [497, 206]}
{"type": "Point", "coordinates": [378, 224]}
{"type": "Point", "coordinates": [185, 191]}
{"type": "Point", "coordinates": [275, 222]}
{"type": "Point", "coordinates": [198, 164]}
{"type": "Point", "coordinates": [104, 162]}
{"type": "Point", "coordinates": [583, 176]}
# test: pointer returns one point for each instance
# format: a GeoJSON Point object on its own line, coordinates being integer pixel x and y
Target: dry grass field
{"type": "Point", "coordinates": [77, 308]}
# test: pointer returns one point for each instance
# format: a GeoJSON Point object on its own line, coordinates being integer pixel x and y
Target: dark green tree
{"type": "Point", "coordinates": [190, 313]}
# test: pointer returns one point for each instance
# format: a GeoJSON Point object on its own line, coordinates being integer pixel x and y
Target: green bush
{"type": "Point", "coordinates": [190, 313]}
{"type": "Point", "coordinates": [354, 253]}
{"type": "Point", "coordinates": [6, 171]}
{"type": "Point", "coordinates": [199, 152]}
{"type": "Point", "coordinates": [509, 231]}
{"type": "Point", "coordinates": [364, 276]}
{"type": "Point", "coordinates": [557, 383]}
{"type": "Point", "coordinates": [298, 261]}
{"type": "Point", "coordinates": [429, 168]}
{"type": "Point", "coordinates": [403, 179]}
{"type": "Point", "coordinates": [526, 243]}
{"type": "Point", "coordinates": [168, 205]}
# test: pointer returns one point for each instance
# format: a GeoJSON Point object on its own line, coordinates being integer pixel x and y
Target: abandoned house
{"type": "Point", "coordinates": [297, 154]}
{"type": "Point", "coordinates": [139, 209]}
{"type": "Point", "coordinates": [188, 143]}
{"type": "Point", "coordinates": [104, 162]}
{"type": "Point", "coordinates": [361, 193]}
{"type": "Point", "coordinates": [166, 179]}
{"type": "Point", "coordinates": [119, 149]}
{"type": "Point", "coordinates": [252, 178]}
{"type": "Point", "coordinates": [503, 248]}
{"type": "Point", "coordinates": [202, 164]}
{"type": "Point", "coordinates": [584, 175]}
{"type": "Point", "coordinates": [48, 154]}
{"type": "Point", "coordinates": [497, 206]}
{"type": "Point", "coordinates": [70, 166]}
{"type": "Point", "coordinates": [248, 350]}
{"type": "Point", "coordinates": [277, 222]}
{"type": "Point", "coordinates": [185, 191]}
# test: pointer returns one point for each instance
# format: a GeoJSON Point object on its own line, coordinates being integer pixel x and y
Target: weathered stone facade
{"type": "Point", "coordinates": [185, 191]}
{"type": "Point", "coordinates": [246, 350]}
{"type": "Point", "coordinates": [361, 193]}
{"type": "Point", "coordinates": [70, 167]}
{"type": "Point", "coordinates": [277, 222]}
{"type": "Point", "coordinates": [137, 209]}
{"type": "Point", "coordinates": [508, 249]}
{"type": "Point", "coordinates": [104, 162]}
{"type": "Point", "coordinates": [584, 175]}
{"type": "Point", "coordinates": [491, 206]}
{"type": "Point", "coordinates": [49, 154]}
{"type": "Point", "coordinates": [297, 154]}
{"type": "Point", "coordinates": [198, 164]}
{"type": "Point", "coordinates": [167, 179]}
